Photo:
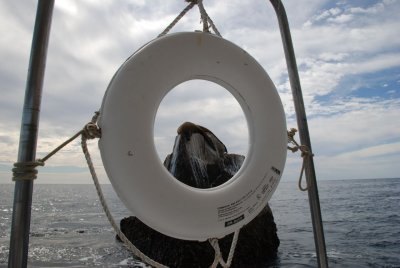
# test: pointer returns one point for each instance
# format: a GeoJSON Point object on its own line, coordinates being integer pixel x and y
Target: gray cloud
{"type": "Point", "coordinates": [90, 40]}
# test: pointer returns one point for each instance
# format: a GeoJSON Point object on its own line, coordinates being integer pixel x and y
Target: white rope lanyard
{"type": "Point", "coordinates": [218, 255]}
{"type": "Point", "coordinates": [306, 154]}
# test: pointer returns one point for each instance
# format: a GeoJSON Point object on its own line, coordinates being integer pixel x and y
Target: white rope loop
{"type": "Point", "coordinates": [218, 259]}
{"type": "Point", "coordinates": [103, 202]}
{"type": "Point", "coordinates": [306, 154]}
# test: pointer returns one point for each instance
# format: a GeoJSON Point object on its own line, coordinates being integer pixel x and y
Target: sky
{"type": "Point", "coordinates": [348, 55]}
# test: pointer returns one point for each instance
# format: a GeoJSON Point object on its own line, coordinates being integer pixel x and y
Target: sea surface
{"type": "Point", "coordinates": [361, 222]}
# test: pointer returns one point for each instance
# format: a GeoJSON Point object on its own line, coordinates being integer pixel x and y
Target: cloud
{"type": "Point", "coordinates": [371, 162]}
{"type": "Point", "coordinates": [374, 151]}
{"type": "Point", "coordinates": [374, 9]}
{"type": "Point", "coordinates": [351, 124]}
{"type": "Point", "coordinates": [344, 18]}
{"type": "Point", "coordinates": [346, 51]}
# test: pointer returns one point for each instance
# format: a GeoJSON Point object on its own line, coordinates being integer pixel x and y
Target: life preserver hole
{"type": "Point", "coordinates": [203, 103]}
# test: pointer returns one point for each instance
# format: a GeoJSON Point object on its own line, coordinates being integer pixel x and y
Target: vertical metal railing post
{"type": "Point", "coordinates": [19, 240]}
{"type": "Point", "coordinates": [313, 197]}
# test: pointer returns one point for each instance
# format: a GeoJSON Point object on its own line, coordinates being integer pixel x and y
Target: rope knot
{"type": "Point", "coordinates": [306, 153]}
{"type": "Point", "coordinates": [292, 132]}
{"type": "Point", "coordinates": [26, 170]}
{"type": "Point", "coordinates": [91, 131]}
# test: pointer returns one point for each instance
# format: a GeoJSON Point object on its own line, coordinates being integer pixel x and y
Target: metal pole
{"type": "Point", "coordinates": [313, 197]}
{"type": "Point", "coordinates": [19, 240]}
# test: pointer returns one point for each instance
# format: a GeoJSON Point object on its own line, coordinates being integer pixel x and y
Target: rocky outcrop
{"type": "Point", "coordinates": [199, 159]}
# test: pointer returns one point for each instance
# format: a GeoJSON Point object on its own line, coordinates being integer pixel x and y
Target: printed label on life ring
{"type": "Point", "coordinates": [236, 211]}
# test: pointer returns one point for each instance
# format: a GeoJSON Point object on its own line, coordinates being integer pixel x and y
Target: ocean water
{"type": "Point", "coordinates": [361, 222]}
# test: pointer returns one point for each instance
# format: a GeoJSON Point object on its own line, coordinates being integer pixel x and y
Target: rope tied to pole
{"type": "Point", "coordinates": [28, 171]}
{"type": "Point", "coordinates": [306, 154]}
{"type": "Point", "coordinates": [25, 170]}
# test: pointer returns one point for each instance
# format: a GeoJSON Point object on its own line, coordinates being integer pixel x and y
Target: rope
{"type": "Point", "coordinates": [110, 218]}
{"type": "Point", "coordinates": [180, 16]}
{"type": "Point", "coordinates": [218, 259]}
{"type": "Point", "coordinates": [203, 14]}
{"type": "Point", "coordinates": [206, 18]}
{"type": "Point", "coordinates": [306, 154]}
{"type": "Point", "coordinates": [27, 170]}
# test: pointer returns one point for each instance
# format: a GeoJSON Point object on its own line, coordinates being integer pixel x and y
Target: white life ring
{"type": "Point", "coordinates": [127, 145]}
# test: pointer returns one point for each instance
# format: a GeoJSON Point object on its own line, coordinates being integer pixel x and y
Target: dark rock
{"type": "Point", "coordinates": [199, 159]}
